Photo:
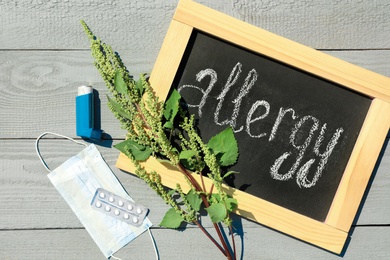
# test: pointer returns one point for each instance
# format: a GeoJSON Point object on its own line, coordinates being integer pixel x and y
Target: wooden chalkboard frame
{"type": "Point", "coordinates": [333, 232]}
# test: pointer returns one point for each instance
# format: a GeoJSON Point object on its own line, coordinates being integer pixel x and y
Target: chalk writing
{"type": "Point", "coordinates": [259, 110]}
{"type": "Point", "coordinates": [282, 113]}
{"type": "Point", "coordinates": [249, 119]}
{"type": "Point", "coordinates": [199, 77]}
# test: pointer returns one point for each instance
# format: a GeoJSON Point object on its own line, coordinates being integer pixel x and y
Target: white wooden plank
{"type": "Point", "coordinates": [36, 87]}
{"type": "Point", "coordinates": [257, 242]}
{"type": "Point", "coordinates": [375, 60]}
{"type": "Point", "coordinates": [141, 25]}
{"type": "Point", "coordinates": [37, 91]}
{"type": "Point", "coordinates": [25, 188]}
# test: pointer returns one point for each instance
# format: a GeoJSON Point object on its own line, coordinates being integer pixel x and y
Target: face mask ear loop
{"type": "Point", "coordinates": [154, 244]}
{"type": "Point", "coordinates": [114, 257]}
{"type": "Point", "coordinates": [46, 133]}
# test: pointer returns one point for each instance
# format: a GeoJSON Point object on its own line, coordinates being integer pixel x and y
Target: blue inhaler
{"type": "Point", "coordinates": [85, 114]}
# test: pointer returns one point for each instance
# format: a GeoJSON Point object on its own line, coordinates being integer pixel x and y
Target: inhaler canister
{"type": "Point", "coordinates": [85, 114]}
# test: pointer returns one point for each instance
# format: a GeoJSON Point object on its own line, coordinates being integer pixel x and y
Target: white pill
{"type": "Point", "coordinates": [111, 199]}
{"type": "Point", "coordinates": [129, 207]}
{"type": "Point", "coordinates": [98, 204]}
{"type": "Point", "coordinates": [107, 208]}
{"type": "Point", "coordinates": [135, 220]}
{"type": "Point", "coordinates": [117, 212]}
{"type": "Point", "coordinates": [102, 195]}
{"type": "Point", "coordinates": [139, 211]}
{"type": "Point", "coordinates": [126, 216]}
{"type": "Point", "coordinates": [120, 203]}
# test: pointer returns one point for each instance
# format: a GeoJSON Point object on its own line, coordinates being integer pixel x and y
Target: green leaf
{"type": "Point", "coordinates": [229, 173]}
{"type": "Point", "coordinates": [171, 108]}
{"type": "Point", "coordinates": [217, 212]}
{"type": "Point", "coordinates": [120, 84]}
{"type": "Point", "coordinates": [215, 198]}
{"type": "Point", "coordinates": [231, 204]}
{"type": "Point", "coordinates": [122, 146]}
{"type": "Point", "coordinates": [165, 162]}
{"type": "Point", "coordinates": [172, 219]}
{"type": "Point", "coordinates": [139, 86]}
{"type": "Point", "coordinates": [187, 154]}
{"type": "Point", "coordinates": [194, 199]}
{"type": "Point", "coordinates": [186, 159]}
{"type": "Point", "coordinates": [224, 146]}
{"type": "Point", "coordinates": [168, 125]}
{"type": "Point", "coordinates": [140, 152]}
{"type": "Point", "coordinates": [118, 108]}
{"type": "Point", "coordinates": [171, 192]}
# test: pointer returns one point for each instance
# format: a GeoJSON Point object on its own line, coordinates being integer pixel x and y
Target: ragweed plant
{"type": "Point", "coordinates": [166, 130]}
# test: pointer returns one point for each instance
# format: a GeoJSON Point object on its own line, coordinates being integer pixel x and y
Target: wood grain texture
{"type": "Point", "coordinates": [162, 74]}
{"type": "Point", "coordinates": [36, 87]}
{"type": "Point", "coordinates": [257, 242]}
{"type": "Point", "coordinates": [44, 57]}
{"type": "Point", "coordinates": [320, 24]}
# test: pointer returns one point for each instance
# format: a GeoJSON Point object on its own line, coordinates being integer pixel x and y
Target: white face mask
{"type": "Point", "coordinates": [77, 180]}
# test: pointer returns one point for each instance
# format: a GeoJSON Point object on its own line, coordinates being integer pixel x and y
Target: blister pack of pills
{"type": "Point", "coordinates": [119, 207]}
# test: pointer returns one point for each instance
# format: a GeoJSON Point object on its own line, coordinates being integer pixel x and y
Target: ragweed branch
{"type": "Point", "coordinates": [166, 131]}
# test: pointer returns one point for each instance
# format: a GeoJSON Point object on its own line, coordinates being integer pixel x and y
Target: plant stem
{"type": "Point", "coordinates": [224, 244]}
{"type": "Point", "coordinates": [211, 189]}
{"type": "Point", "coordinates": [206, 204]}
{"type": "Point", "coordinates": [147, 126]}
{"type": "Point", "coordinates": [201, 178]}
{"type": "Point", "coordinates": [190, 178]}
{"type": "Point", "coordinates": [210, 237]}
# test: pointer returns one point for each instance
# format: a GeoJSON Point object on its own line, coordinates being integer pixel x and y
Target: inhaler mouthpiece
{"type": "Point", "coordinates": [85, 114]}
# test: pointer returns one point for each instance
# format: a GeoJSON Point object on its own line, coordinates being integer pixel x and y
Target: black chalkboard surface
{"type": "Point", "coordinates": [295, 131]}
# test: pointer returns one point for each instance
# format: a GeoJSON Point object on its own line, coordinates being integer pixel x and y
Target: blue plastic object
{"type": "Point", "coordinates": [85, 114]}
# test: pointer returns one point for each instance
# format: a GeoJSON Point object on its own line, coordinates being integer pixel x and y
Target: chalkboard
{"type": "Point", "coordinates": [295, 131]}
{"type": "Point", "coordinates": [310, 127]}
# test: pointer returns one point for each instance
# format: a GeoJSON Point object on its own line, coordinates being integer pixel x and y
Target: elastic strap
{"type": "Point", "coordinates": [50, 133]}
{"type": "Point", "coordinates": [114, 257]}
{"type": "Point", "coordinates": [154, 246]}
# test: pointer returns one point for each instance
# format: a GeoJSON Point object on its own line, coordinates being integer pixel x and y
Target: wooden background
{"type": "Point", "coordinates": [44, 57]}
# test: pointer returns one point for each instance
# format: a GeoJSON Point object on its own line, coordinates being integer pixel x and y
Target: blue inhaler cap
{"type": "Point", "coordinates": [85, 114]}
